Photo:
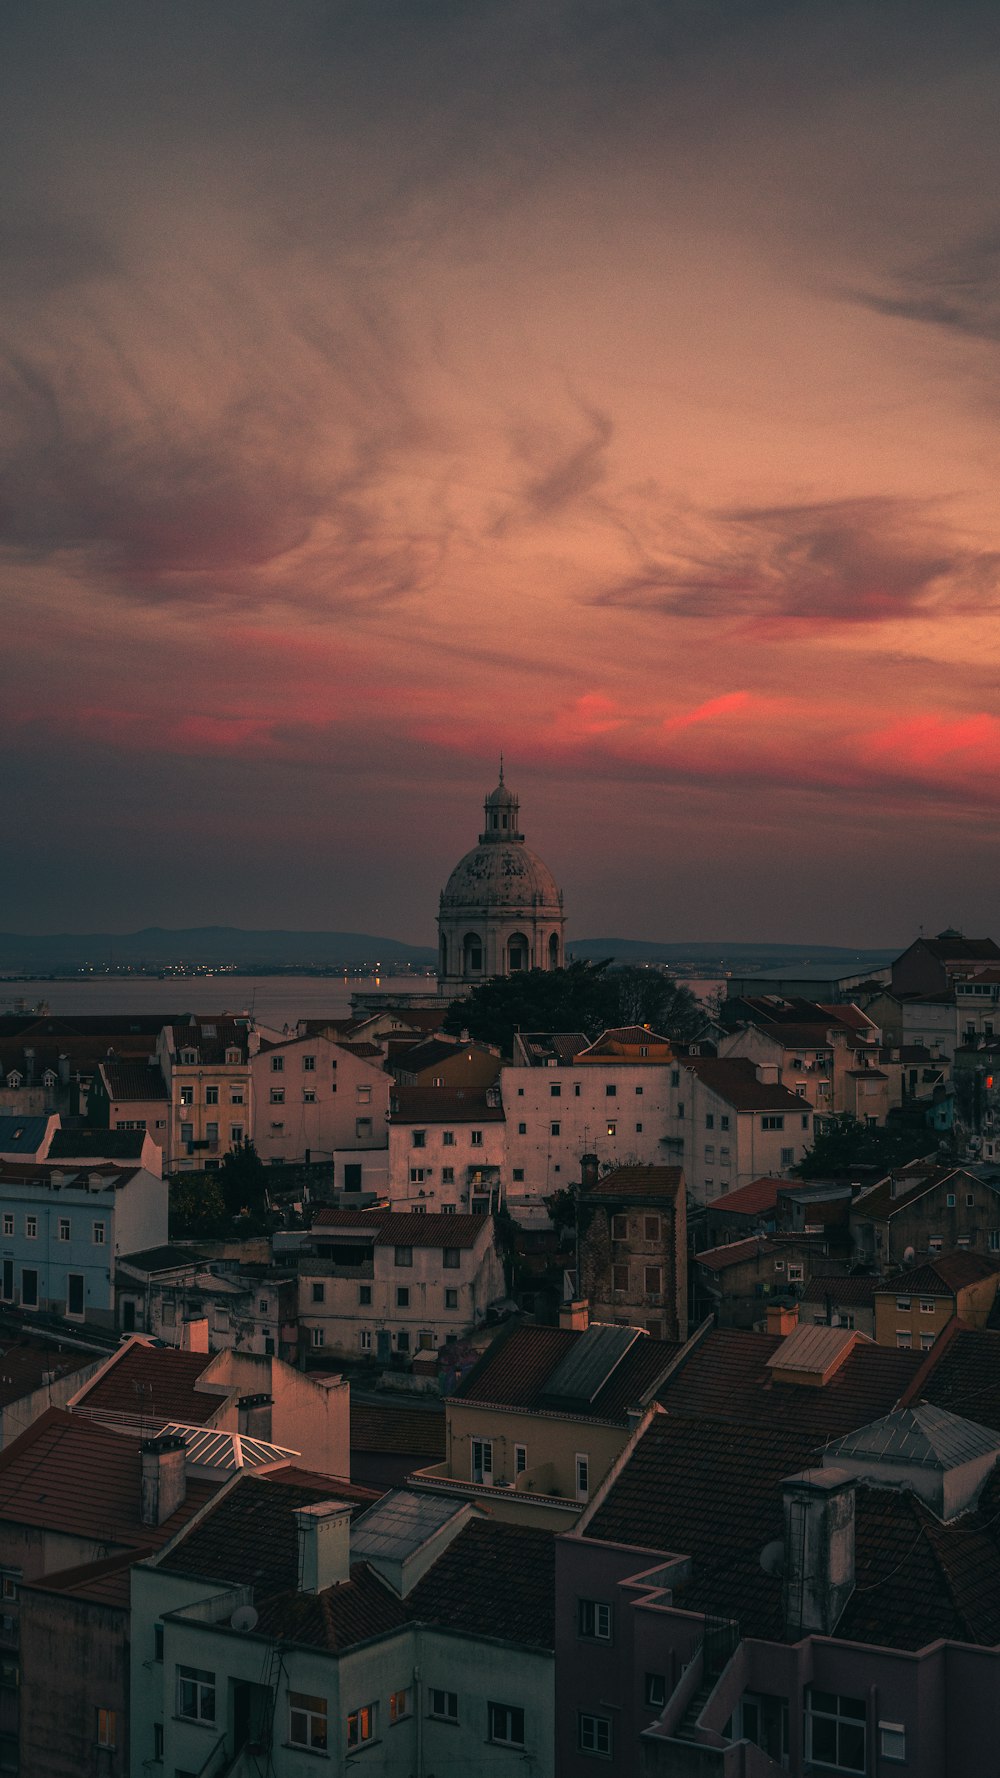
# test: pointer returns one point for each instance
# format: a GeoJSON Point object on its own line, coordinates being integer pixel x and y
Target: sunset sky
{"type": "Point", "coordinates": [389, 382]}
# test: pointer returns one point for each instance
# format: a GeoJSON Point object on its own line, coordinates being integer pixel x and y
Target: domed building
{"type": "Point", "coordinates": [501, 909]}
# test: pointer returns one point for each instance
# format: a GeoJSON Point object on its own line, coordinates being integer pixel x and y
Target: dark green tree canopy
{"type": "Point", "coordinates": [844, 1143]}
{"type": "Point", "coordinates": [588, 997]}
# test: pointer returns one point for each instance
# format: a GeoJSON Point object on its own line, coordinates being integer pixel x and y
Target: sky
{"type": "Point", "coordinates": [386, 383]}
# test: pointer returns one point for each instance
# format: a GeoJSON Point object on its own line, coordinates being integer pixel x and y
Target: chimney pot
{"type": "Point", "coordinates": [588, 1170]}
{"type": "Point", "coordinates": [575, 1315]}
{"type": "Point", "coordinates": [819, 1550]}
{"type": "Point", "coordinates": [324, 1533]}
{"type": "Point", "coordinates": [163, 1484]}
{"type": "Point", "coordinates": [782, 1318]}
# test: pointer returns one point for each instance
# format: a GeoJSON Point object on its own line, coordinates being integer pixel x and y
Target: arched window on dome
{"type": "Point", "coordinates": [472, 954]}
{"type": "Point", "coordinates": [554, 950]}
{"type": "Point", "coordinates": [443, 959]}
{"type": "Point", "coordinates": [517, 953]}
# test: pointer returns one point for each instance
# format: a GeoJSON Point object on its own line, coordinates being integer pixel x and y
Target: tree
{"type": "Point", "coordinates": [843, 1143]}
{"type": "Point", "coordinates": [197, 1207]}
{"type": "Point", "coordinates": [243, 1179]}
{"type": "Point", "coordinates": [587, 997]}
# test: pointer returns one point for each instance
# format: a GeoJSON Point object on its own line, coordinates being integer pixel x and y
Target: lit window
{"type": "Point", "coordinates": [107, 1728]}
{"type": "Point", "coordinates": [506, 1724]}
{"type": "Point", "coordinates": [307, 1721]}
{"type": "Point", "coordinates": [399, 1706]}
{"type": "Point", "coordinates": [612, 1128]}
{"type": "Point", "coordinates": [196, 1694]}
{"type": "Point", "coordinates": [361, 1726]}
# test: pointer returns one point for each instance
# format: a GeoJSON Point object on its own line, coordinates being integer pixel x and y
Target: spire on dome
{"type": "Point", "coordinates": [501, 810]}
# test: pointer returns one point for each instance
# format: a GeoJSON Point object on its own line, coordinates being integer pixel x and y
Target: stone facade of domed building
{"type": "Point", "coordinates": [501, 909]}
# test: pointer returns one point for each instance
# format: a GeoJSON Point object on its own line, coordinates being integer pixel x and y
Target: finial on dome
{"type": "Point", "coordinates": [501, 765]}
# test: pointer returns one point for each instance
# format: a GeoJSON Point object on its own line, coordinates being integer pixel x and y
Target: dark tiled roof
{"type": "Point", "coordinates": [515, 1370]}
{"type": "Point", "coordinates": [339, 1616]}
{"type": "Point", "coordinates": [104, 1583]}
{"type": "Point", "coordinates": [68, 1474]}
{"type": "Point", "coordinates": [857, 1289]}
{"type": "Point", "coordinates": [444, 1105]}
{"type": "Point", "coordinates": [880, 1203]}
{"type": "Point", "coordinates": [625, 1184]}
{"type": "Point", "coordinates": [99, 1145]}
{"type": "Point", "coordinates": [251, 1539]}
{"type": "Point", "coordinates": [22, 1367]}
{"type": "Point", "coordinates": [945, 1274]}
{"type": "Point", "coordinates": [726, 1377]}
{"type": "Point", "coordinates": [494, 1578]}
{"type": "Point", "coordinates": [158, 1383]}
{"type": "Point", "coordinates": [397, 1228]}
{"type": "Point", "coordinates": [133, 1080]}
{"type": "Point", "coordinates": [918, 1580]}
{"type": "Point", "coordinates": [948, 949]}
{"type": "Point", "coordinates": [965, 1376]}
{"type": "Point", "coordinates": [162, 1259]}
{"type": "Point", "coordinates": [400, 1431]}
{"type": "Point", "coordinates": [210, 1039]}
{"type": "Point", "coordinates": [734, 1253]}
{"type": "Point", "coordinates": [22, 1135]}
{"type": "Point", "coordinates": [540, 1046]}
{"type": "Point", "coordinates": [734, 1079]}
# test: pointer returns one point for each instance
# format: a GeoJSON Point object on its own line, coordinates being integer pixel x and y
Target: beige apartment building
{"type": "Point", "coordinates": [206, 1067]}
{"type": "Point", "coordinates": [318, 1100]}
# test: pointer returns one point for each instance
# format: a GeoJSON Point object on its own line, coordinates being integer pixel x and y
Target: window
{"type": "Point", "coordinates": [595, 1734]}
{"type": "Point", "coordinates": [651, 1280]}
{"type": "Point", "coordinates": [365, 1295]}
{"type": "Point", "coordinates": [675, 1077]}
{"type": "Point", "coordinates": [99, 1233]}
{"type": "Point", "coordinates": [593, 1620]}
{"type": "Point", "coordinates": [399, 1705]}
{"type": "Point", "coordinates": [404, 1256]}
{"type": "Point", "coordinates": [309, 1064]}
{"type": "Point", "coordinates": [482, 1460]}
{"type": "Point", "coordinates": [232, 1058]}
{"type": "Point", "coordinates": [211, 1095]}
{"type": "Point", "coordinates": [75, 1294]}
{"type": "Point", "coordinates": [554, 1129]}
{"type": "Point", "coordinates": [425, 1340]}
{"type": "Point", "coordinates": [64, 1228]}
{"type": "Point", "coordinates": [187, 1095]}
{"type": "Point", "coordinates": [772, 1123]}
{"type": "Point", "coordinates": [447, 1175]}
{"type": "Point", "coordinates": [477, 1138]}
{"type": "Point", "coordinates": [555, 1089]}
{"type": "Point", "coordinates": [619, 1228]}
{"type": "Point", "coordinates": [236, 1096]}
{"type": "Point", "coordinates": [8, 1223]}
{"type": "Point", "coordinates": [710, 1120]}
{"type": "Point", "coordinates": [451, 1299]}
{"type": "Point", "coordinates": [795, 1273]}
{"type": "Point", "coordinates": [196, 1694]}
{"type": "Point", "coordinates": [361, 1726]}
{"type": "Point", "coordinates": [447, 1138]}
{"type": "Point", "coordinates": [892, 1740]}
{"type": "Point", "coordinates": [904, 1339]}
{"type": "Point", "coordinates": [709, 1152]}
{"type": "Point", "coordinates": [443, 1705]}
{"type": "Point", "coordinates": [951, 1200]}
{"type": "Point", "coordinates": [522, 1129]}
{"type": "Point", "coordinates": [638, 1129]}
{"type": "Point", "coordinates": [520, 1459]}
{"type": "Point", "coordinates": [787, 1156]}
{"type": "Point", "coordinates": [417, 1175]}
{"type": "Point", "coordinates": [31, 1227]}
{"type": "Point", "coordinates": [187, 1132]}
{"type": "Point", "coordinates": [612, 1128]}
{"type": "Point", "coordinates": [362, 1129]}
{"type": "Point", "coordinates": [277, 1095]}
{"type": "Point", "coordinates": [619, 1277]}
{"type": "Point", "coordinates": [518, 1176]}
{"type": "Point", "coordinates": [903, 1304]}
{"type": "Point", "coordinates": [655, 1691]}
{"type": "Point", "coordinates": [724, 1121]}
{"type": "Point", "coordinates": [318, 1336]}
{"type": "Point", "coordinates": [805, 1122]}
{"type": "Point", "coordinates": [277, 1064]}
{"type": "Point", "coordinates": [402, 1340]}
{"type": "Point", "coordinates": [506, 1724]}
{"type": "Point", "coordinates": [926, 1341]}
{"type": "Point", "coordinates": [835, 1730]}
{"type": "Point", "coordinates": [308, 1098]}
{"type": "Point", "coordinates": [107, 1728]}
{"type": "Point", "coordinates": [611, 1091]}
{"type": "Point", "coordinates": [927, 1308]}
{"type": "Point", "coordinates": [262, 1303]}
{"type": "Point", "coordinates": [418, 1138]}
{"type": "Point", "coordinates": [157, 1740]}
{"type": "Point", "coordinates": [402, 1296]}
{"type": "Point", "coordinates": [8, 1583]}
{"type": "Point", "coordinates": [651, 1228]}
{"type": "Point", "coordinates": [236, 1134]}
{"type": "Point", "coordinates": [680, 1108]}
{"type": "Point", "coordinates": [363, 1096]}
{"type": "Point", "coordinates": [307, 1721]}
{"type": "Point", "coordinates": [582, 1475]}
{"type": "Point", "coordinates": [318, 1290]}
{"type": "Point", "coordinates": [365, 1339]}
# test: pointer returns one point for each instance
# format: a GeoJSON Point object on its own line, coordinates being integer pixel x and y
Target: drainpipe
{"type": "Point", "coordinates": [419, 1715]}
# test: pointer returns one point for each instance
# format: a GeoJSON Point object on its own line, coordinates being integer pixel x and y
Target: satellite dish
{"type": "Point", "coordinates": [243, 1618]}
{"type": "Point", "coordinates": [772, 1557]}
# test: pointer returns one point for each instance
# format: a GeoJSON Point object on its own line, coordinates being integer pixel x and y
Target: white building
{"type": "Point", "coordinates": [501, 910]}
{"type": "Point", "coordinates": [446, 1149]}
{"type": "Point", "coordinates": [731, 1121]}
{"type": "Point", "coordinates": [378, 1283]}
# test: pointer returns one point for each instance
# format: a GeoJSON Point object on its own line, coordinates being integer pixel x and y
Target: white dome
{"type": "Point", "coordinates": [501, 876]}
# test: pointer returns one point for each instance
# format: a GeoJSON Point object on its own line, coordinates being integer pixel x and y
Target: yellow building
{"type": "Point", "coordinates": [913, 1308]}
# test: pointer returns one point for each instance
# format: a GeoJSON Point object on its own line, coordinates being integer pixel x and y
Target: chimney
{"type": "Point", "coordinates": [64, 1071]}
{"type": "Point", "coordinates": [324, 1545]}
{"type": "Point", "coordinates": [819, 1550]}
{"type": "Point", "coordinates": [254, 1416]}
{"type": "Point", "coordinates": [194, 1335]}
{"type": "Point", "coordinates": [164, 1479]}
{"type": "Point", "coordinates": [782, 1318]}
{"type": "Point", "coordinates": [575, 1315]}
{"type": "Point", "coordinates": [29, 1067]}
{"type": "Point", "coordinates": [588, 1171]}
{"type": "Point", "coordinates": [767, 1073]}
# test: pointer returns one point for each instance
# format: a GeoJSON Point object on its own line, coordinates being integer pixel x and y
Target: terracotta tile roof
{"type": "Point", "coordinates": [133, 1080]}
{"type": "Point", "coordinates": [611, 1044]}
{"type": "Point", "coordinates": [726, 1377]}
{"type": "Point", "coordinates": [734, 1079]}
{"type": "Point", "coordinates": [397, 1228]}
{"type": "Point", "coordinates": [948, 949]}
{"type": "Point", "coordinates": [654, 1184]}
{"type": "Point", "coordinates": [100, 1145]}
{"type": "Point", "coordinates": [733, 1253]}
{"type": "Point", "coordinates": [339, 1616]}
{"type": "Point", "coordinates": [162, 1259]}
{"type": "Point", "coordinates": [412, 1432]}
{"type": "Point", "coordinates": [494, 1578]}
{"type": "Point", "coordinates": [918, 1580]}
{"type": "Point", "coordinates": [945, 1274]}
{"type": "Point", "coordinates": [750, 1200]}
{"type": "Point", "coordinates": [965, 1376]}
{"type": "Point", "coordinates": [210, 1039]}
{"type": "Point", "coordinates": [444, 1105]}
{"type": "Point", "coordinates": [68, 1474]}
{"type": "Point", "coordinates": [515, 1371]}
{"type": "Point", "coordinates": [250, 1538]}
{"type": "Point", "coordinates": [879, 1203]}
{"type": "Point", "coordinates": [22, 1366]}
{"type": "Point", "coordinates": [368, 1052]}
{"type": "Point", "coordinates": [158, 1383]}
{"type": "Point", "coordinates": [104, 1583]}
{"type": "Point", "coordinates": [540, 1046]}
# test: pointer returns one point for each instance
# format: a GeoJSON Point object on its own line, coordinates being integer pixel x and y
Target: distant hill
{"type": "Point", "coordinates": [206, 944]}
{"type": "Point", "coordinates": [159, 945]}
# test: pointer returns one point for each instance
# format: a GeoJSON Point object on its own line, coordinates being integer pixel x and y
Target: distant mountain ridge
{"type": "Point", "coordinates": [160, 945]}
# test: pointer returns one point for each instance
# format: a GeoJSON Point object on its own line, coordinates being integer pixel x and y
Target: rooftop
{"type": "Point", "coordinates": [162, 1259]}
{"type": "Point", "coordinates": [27, 1365]}
{"type": "Point", "coordinates": [98, 1145]}
{"type": "Point", "coordinates": [133, 1080]}
{"type": "Point", "coordinates": [523, 1369]}
{"type": "Point", "coordinates": [401, 1431]}
{"type": "Point", "coordinates": [398, 1228]}
{"type": "Point", "coordinates": [944, 1275]}
{"type": "Point", "coordinates": [925, 1435]}
{"type": "Point", "coordinates": [755, 1199]}
{"type": "Point", "coordinates": [445, 1105]}
{"type": "Point", "coordinates": [156, 1383]}
{"type": "Point", "coordinates": [734, 1079]}
{"type": "Point", "coordinates": [879, 1202]}
{"type": "Point", "coordinates": [22, 1135]}
{"type": "Point", "coordinates": [642, 1184]}
{"type": "Point", "coordinates": [852, 1289]}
